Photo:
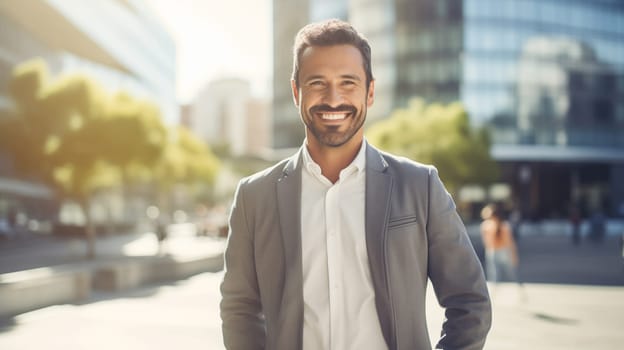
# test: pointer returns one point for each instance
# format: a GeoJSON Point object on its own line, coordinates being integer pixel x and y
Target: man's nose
{"type": "Point", "coordinates": [333, 96]}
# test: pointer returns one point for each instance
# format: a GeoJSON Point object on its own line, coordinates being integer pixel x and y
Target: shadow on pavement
{"type": "Point", "coordinates": [554, 319]}
{"type": "Point", "coordinates": [554, 259]}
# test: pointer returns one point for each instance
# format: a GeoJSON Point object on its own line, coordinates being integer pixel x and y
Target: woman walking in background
{"type": "Point", "coordinates": [501, 254]}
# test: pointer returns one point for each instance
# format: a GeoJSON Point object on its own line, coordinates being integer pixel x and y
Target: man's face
{"type": "Point", "coordinates": [332, 96]}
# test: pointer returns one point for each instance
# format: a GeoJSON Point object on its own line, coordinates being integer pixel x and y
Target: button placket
{"type": "Point", "coordinates": [332, 219]}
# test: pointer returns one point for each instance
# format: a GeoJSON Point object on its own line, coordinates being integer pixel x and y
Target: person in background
{"type": "Point", "coordinates": [501, 254]}
{"type": "Point", "coordinates": [515, 219]}
{"type": "Point", "coordinates": [575, 222]}
{"type": "Point", "coordinates": [598, 225]}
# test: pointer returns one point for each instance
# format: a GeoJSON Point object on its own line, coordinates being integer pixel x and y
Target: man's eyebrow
{"type": "Point", "coordinates": [350, 76]}
{"type": "Point", "coordinates": [314, 77]}
{"type": "Point", "coordinates": [344, 76]}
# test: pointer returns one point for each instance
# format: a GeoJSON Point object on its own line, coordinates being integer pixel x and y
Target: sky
{"type": "Point", "coordinates": [219, 39]}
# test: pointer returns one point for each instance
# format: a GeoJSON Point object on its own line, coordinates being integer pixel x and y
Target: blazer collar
{"type": "Point", "coordinates": [379, 185]}
{"type": "Point", "coordinates": [374, 159]}
{"type": "Point", "coordinates": [293, 164]}
{"type": "Point", "coordinates": [289, 205]}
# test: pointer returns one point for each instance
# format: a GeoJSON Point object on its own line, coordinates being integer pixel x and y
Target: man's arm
{"type": "Point", "coordinates": [456, 274]}
{"type": "Point", "coordinates": [241, 309]}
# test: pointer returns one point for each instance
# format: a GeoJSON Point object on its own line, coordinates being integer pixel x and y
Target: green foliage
{"type": "Point", "coordinates": [440, 135]}
{"type": "Point", "coordinates": [139, 134]}
{"type": "Point", "coordinates": [75, 136]}
{"type": "Point", "coordinates": [27, 84]}
{"type": "Point", "coordinates": [186, 159]}
{"type": "Point", "coordinates": [71, 134]}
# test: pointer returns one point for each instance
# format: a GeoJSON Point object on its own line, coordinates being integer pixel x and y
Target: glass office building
{"type": "Point", "coordinates": [119, 43]}
{"type": "Point", "coordinates": [547, 76]}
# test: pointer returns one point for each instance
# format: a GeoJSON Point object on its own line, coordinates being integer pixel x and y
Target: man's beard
{"type": "Point", "coordinates": [329, 135]}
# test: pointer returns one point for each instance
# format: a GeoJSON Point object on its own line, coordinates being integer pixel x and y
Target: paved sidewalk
{"type": "Point", "coordinates": [40, 271]}
{"type": "Point", "coordinates": [36, 251]}
{"type": "Point", "coordinates": [573, 298]}
{"type": "Point", "coordinates": [185, 315]}
{"type": "Point", "coordinates": [550, 316]}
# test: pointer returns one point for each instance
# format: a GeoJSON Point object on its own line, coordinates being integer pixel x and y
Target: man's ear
{"type": "Point", "coordinates": [295, 92]}
{"type": "Point", "coordinates": [370, 96]}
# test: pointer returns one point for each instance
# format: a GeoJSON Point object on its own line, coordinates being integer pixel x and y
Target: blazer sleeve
{"type": "Point", "coordinates": [241, 311]}
{"type": "Point", "coordinates": [456, 274]}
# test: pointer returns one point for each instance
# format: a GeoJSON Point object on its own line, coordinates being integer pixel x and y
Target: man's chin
{"type": "Point", "coordinates": [334, 141]}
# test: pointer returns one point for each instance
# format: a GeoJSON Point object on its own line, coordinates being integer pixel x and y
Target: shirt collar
{"type": "Point", "coordinates": [360, 159]}
{"type": "Point", "coordinates": [359, 162]}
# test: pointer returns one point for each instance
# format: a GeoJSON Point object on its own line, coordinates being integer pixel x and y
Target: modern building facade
{"type": "Point", "coordinates": [546, 76]}
{"type": "Point", "coordinates": [118, 43]}
{"type": "Point", "coordinates": [225, 114]}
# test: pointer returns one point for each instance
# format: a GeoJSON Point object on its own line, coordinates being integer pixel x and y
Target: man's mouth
{"type": "Point", "coordinates": [334, 116]}
{"type": "Point", "coordinates": [326, 112]}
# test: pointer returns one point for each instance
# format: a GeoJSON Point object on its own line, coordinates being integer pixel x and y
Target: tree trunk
{"type": "Point", "coordinates": [90, 233]}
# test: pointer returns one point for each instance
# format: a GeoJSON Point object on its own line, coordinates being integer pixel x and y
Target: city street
{"type": "Point", "coordinates": [185, 315]}
{"type": "Point", "coordinates": [42, 251]}
{"type": "Point", "coordinates": [573, 298]}
{"type": "Point", "coordinates": [132, 131]}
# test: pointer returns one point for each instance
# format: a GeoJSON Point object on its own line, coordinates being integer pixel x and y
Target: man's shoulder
{"type": "Point", "coordinates": [269, 174]}
{"type": "Point", "coordinates": [402, 164]}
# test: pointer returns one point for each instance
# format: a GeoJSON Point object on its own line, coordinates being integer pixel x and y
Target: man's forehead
{"type": "Point", "coordinates": [344, 49]}
{"type": "Point", "coordinates": [332, 57]}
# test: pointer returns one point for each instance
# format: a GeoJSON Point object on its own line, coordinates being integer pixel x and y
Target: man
{"type": "Point", "coordinates": [333, 247]}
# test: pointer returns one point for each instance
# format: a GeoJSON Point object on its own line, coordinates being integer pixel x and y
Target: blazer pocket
{"type": "Point", "coordinates": [403, 221]}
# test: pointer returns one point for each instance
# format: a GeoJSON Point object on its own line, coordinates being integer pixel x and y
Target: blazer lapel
{"type": "Point", "coordinates": [289, 206]}
{"type": "Point", "coordinates": [378, 189]}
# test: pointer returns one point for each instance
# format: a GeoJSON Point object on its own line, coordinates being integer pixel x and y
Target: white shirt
{"type": "Point", "coordinates": [338, 294]}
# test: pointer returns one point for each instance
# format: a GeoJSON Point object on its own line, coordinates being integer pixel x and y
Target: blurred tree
{"type": "Point", "coordinates": [139, 134]}
{"type": "Point", "coordinates": [135, 137]}
{"type": "Point", "coordinates": [440, 135]}
{"type": "Point", "coordinates": [26, 143]}
{"type": "Point", "coordinates": [75, 137]}
{"type": "Point", "coordinates": [186, 159]}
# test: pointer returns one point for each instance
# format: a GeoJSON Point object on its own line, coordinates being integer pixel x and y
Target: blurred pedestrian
{"type": "Point", "coordinates": [333, 248]}
{"type": "Point", "coordinates": [575, 222]}
{"type": "Point", "coordinates": [597, 226]}
{"type": "Point", "coordinates": [159, 226]}
{"type": "Point", "coordinates": [161, 235]}
{"type": "Point", "coordinates": [515, 219]}
{"type": "Point", "coordinates": [501, 254]}
{"type": "Point", "coordinates": [12, 219]}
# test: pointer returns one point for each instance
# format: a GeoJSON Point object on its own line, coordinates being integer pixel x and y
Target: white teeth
{"type": "Point", "coordinates": [333, 116]}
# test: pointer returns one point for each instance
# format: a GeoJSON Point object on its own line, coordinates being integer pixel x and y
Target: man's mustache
{"type": "Point", "coordinates": [324, 108]}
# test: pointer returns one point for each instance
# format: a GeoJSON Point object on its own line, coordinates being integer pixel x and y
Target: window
{"type": "Point", "coordinates": [603, 111]}
{"type": "Point", "coordinates": [576, 81]}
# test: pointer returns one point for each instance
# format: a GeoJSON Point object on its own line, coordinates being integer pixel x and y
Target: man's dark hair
{"type": "Point", "coordinates": [329, 33]}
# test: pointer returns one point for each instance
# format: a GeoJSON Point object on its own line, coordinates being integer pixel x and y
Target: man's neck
{"type": "Point", "coordinates": [333, 159]}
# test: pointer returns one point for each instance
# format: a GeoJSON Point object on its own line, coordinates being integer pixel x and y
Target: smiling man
{"type": "Point", "coordinates": [333, 248]}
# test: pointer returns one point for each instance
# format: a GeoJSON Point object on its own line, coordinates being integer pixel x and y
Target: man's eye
{"type": "Point", "coordinates": [316, 83]}
{"type": "Point", "coordinates": [348, 82]}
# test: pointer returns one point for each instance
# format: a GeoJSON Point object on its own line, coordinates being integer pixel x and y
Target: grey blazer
{"type": "Point", "coordinates": [413, 234]}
